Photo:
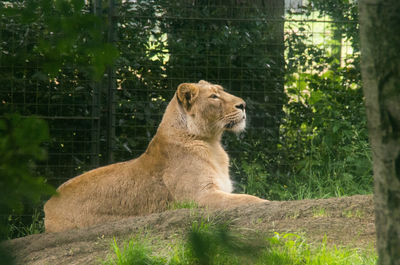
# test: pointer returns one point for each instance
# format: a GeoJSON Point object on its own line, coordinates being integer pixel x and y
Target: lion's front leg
{"type": "Point", "coordinates": [216, 199]}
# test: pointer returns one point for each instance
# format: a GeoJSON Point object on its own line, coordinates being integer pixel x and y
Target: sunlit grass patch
{"type": "Point", "coordinates": [136, 251]}
{"type": "Point", "coordinates": [320, 212]}
{"type": "Point", "coordinates": [183, 205]}
{"type": "Point", "coordinates": [214, 244]}
{"type": "Point", "coordinates": [353, 213]}
{"type": "Point", "coordinates": [293, 249]}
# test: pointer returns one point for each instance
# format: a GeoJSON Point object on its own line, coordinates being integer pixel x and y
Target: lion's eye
{"type": "Point", "coordinates": [214, 96]}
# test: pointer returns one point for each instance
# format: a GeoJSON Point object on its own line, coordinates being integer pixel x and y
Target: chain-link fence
{"type": "Point", "coordinates": [296, 64]}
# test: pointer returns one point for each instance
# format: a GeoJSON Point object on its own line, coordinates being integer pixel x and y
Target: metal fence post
{"type": "Point", "coordinates": [96, 101]}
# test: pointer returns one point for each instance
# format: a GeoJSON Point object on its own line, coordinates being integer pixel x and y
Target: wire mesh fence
{"type": "Point", "coordinates": [295, 63]}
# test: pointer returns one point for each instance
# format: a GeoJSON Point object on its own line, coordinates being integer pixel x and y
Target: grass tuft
{"type": "Point", "coordinates": [17, 226]}
{"type": "Point", "coordinates": [135, 252]}
{"type": "Point", "coordinates": [183, 205]}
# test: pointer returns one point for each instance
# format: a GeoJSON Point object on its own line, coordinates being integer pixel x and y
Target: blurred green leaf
{"type": "Point", "coordinates": [21, 140]}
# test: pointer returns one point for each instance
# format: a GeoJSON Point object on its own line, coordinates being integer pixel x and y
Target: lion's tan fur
{"type": "Point", "coordinates": [184, 162]}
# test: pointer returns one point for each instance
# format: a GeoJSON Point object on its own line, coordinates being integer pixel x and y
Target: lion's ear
{"type": "Point", "coordinates": [187, 93]}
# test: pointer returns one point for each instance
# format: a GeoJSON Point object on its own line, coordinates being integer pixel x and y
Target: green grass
{"type": "Point", "coordinates": [293, 249]}
{"type": "Point", "coordinates": [210, 244]}
{"type": "Point", "coordinates": [320, 212]}
{"type": "Point", "coordinates": [183, 205]}
{"type": "Point", "coordinates": [134, 252]}
{"type": "Point", "coordinates": [17, 227]}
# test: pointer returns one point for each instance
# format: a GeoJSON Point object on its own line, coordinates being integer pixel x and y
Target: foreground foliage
{"type": "Point", "coordinates": [21, 142]}
{"type": "Point", "coordinates": [20, 148]}
{"type": "Point", "coordinates": [210, 244]}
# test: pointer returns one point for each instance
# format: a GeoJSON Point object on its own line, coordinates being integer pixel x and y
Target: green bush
{"type": "Point", "coordinates": [323, 149]}
{"type": "Point", "coordinates": [21, 140]}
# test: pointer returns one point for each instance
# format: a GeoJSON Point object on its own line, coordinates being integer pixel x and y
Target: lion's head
{"type": "Point", "coordinates": [209, 110]}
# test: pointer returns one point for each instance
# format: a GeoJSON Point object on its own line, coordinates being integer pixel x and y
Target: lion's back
{"type": "Point", "coordinates": [112, 191]}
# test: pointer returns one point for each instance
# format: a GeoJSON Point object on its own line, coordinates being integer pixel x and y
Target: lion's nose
{"type": "Point", "coordinates": [241, 106]}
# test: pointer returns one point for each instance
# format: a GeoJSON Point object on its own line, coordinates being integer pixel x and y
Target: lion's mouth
{"type": "Point", "coordinates": [230, 124]}
{"type": "Point", "coordinates": [233, 123]}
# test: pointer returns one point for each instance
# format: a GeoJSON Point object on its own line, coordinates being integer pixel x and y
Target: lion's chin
{"type": "Point", "coordinates": [236, 126]}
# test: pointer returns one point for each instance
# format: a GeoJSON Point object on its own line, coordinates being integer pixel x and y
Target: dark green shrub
{"type": "Point", "coordinates": [21, 140]}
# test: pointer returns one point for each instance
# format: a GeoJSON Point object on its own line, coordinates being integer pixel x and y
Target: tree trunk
{"type": "Point", "coordinates": [380, 47]}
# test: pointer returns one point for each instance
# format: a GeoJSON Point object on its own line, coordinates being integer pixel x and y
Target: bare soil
{"type": "Point", "coordinates": [346, 221]}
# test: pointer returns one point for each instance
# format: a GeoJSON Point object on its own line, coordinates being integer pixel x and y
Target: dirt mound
{"type": "Point", "coordinates": [344, 221]}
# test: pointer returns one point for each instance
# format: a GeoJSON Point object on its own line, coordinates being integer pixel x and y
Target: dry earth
{"type": "Point", "coordinates": [347, 221]}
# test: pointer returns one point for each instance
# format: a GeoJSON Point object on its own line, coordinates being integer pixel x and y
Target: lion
{"type": "Point", "coordinates": [184, 161]}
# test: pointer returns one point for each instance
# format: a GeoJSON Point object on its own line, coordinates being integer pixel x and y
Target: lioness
{"type": "Point", "coordinates": [183, 162]}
